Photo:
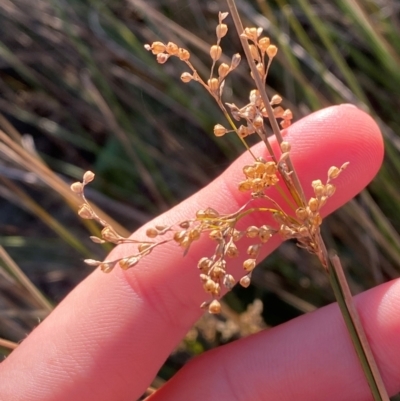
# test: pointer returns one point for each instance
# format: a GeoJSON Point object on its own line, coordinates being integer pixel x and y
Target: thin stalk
{"type": "Point", "coordinates": [293, 184]}
{"type": "Point", "coordinates": [32, 163]}
{"type": "Point", "coordinates": [14, 269]}
{"type": "Point", "coordinates": [332, 264]}
{"type": "Point", "coordinates": [233, 125]}
{"type": "Point", "coordinates": [10, 345]}
{"type": "Point", "coordinates": [26, 202]}
{"type": "Point", "coordinates": [353, 323]}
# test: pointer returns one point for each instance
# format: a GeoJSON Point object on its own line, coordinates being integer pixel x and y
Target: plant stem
{"type": "Point", "coordinates": [352, 319]}
{"type": "Point", "coordinates": [331, 264]}
{"type": "Point", "coordinates": [17, 273]}
{"type": "Point", "coordinates": [356, 330]}
{"type": "Point", "coordinates": [293, 184]}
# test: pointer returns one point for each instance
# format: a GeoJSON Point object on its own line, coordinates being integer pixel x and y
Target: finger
{"type": "Point", "coordinates": [108, 338]}
{"type": "Point", "coordinates": [310, 358]}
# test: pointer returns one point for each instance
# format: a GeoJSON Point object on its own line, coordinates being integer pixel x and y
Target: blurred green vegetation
{"type": "Point", "coordinates": [78, 91]}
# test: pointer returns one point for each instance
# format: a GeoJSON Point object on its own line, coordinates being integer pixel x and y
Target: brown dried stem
{"type": "Point", "coordinates": [293, 184]}
{"type": "Point", "coordinates": [332, 265]}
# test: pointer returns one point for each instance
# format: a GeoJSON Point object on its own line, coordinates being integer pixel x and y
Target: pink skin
{"type": "Point", "coordinates": [109, 337]}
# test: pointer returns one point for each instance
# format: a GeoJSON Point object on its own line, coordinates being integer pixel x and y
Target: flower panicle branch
{"type": "Point", "coordinates": [303, 221]}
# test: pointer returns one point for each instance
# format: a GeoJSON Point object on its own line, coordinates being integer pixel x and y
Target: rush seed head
{"type": "Point", "coordinates": [220, 130]}
{"type": "Point", "coordinates": [272, 50]}
{"type": "Point", "coordinates": [229, 281]}
{"type": "Point", "coordinates": [156, 47]}
{"type": "Point", "coordinates": [186, 77]}
{"type": "Point", "coordinates": [252, 231]}
{"type": "Point", "coordinates": [249, 264]}
{"type": "Point", "coordinates": [91, 262]}
{"type": "Point", "coordinates": [285, 147]}
{"type": "Point", "coordinates": [287, 114]}
{"type": "Point", "coordinates": [110, 235]}
{"type": "Point", "coordinates": [77, 187]}
{"type": "Point", "coordinates": [221, 30]}
{"type": "Point", "coordinates": [172, 49]}
{"type": "Point", "coordinates": [85, 212]}
{"type": "Point", "coordinates": [127, 263]}
{"type": "Point", "coordinates": [263, 44]}
{"type": "Point", "coordinates": [214, 307]}
{"type": "Point", "coordinates": [235, 61]}
{"type": "Point", "coordinates": [302, 223]}
{"type": "Point", "coordinates": [252, 33]}
{"type": "Point", "coordinates": [183, 54]}
{"type": "Point", "coordinates": [254, 250]}
{"type": "Point", "coordinates": [162, 58]}
{"type": "Point", "coordinates": [245, 281]}
{"type": "Point", "coordinates": [215, 52]}
{"type": "Point", "coordinates": [223, 70]}
{"type": "Point", "coordinates": [151, 232]}
{"type": "Point", "coordinates": [276, 99]}
{"type": "Point", "coordinates": [88, 177]}
{"type": "Point", "coordinates": [213, 84]}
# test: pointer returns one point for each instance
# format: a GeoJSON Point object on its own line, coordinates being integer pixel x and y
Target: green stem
{"type": "Point", "coordinates": [354, 326]}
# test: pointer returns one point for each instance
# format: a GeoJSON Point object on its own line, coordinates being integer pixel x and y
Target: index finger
{"type": "Point", "coordinates": [108, 338]}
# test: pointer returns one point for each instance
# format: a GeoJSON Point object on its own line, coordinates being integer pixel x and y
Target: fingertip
{"type": "Point", "coordinates": [333, 136]}
{"type": "Point", "coordinates": [338, 134]}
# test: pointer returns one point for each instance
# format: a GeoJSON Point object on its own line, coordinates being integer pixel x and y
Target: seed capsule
{"type": "Point", "coordinates": [219, 130]}
{"type": "Point", "coordinates": [287, 114]}
{"type": "Point", "coordinates": [214, 307]}
{"type": "Point", "coordinates": [249, 264]}
{"type": "Point", "coordinates": [162, 58]}
{"type": "Point", "coordinates": [276, 99]}
{"type": "Point", "coordinates": [254, 250]}
{"type": "Point", "coordinates": [333, 172]}
{"type": "Point", "coordinates": [77, 187]}
{"type": "Point", "coordinates": [213, 84]}
{"type": "Point", "coordinates": [126, 263]}
{"type": "Point", "coordinates": [285, 146]}
{"type": "Point", "coordinates": [329, 190]}
{"type": "Point", "coordinates": [183, 54]}
{"type": "Point", "coordinates": [313, 204]}
{"type": "Point", "coordinates": [85, 212]}
{"type": "Point", "coordinates": [235, 61]}
{"type": "Point", "coordinates": [229, 281]}
{"type": "Point", "coordinates": [92, 262]}
{"type": "Point", "coordinates": [186, 77]}
{"type": "Point", "coordinates": [172, 48]}
{"type": "Point", "coordinates": [263, 44]}
{"type": "Point", "coordinates": [151, 232]}
{"type": "Point", "coordinates": [221, 30]}
{"type": "Point", "coordinates": [223, 70]}
{"type": "Point", "coordinates": [252, 231]}
{"type": "Point", "coordinates": [210, 286]}
{"type": "Point", "coordinates": [157, 47]}
{"type": "Point", "coordinates": [215, 52]}
{"type": "Point", "coordinates": [245, 281]}
{"type": "Point", "coordinates": [278, 112]}
{"type": "Point", "coordinates": [271, 51]}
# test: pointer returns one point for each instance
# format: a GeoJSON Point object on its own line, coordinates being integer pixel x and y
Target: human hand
{"type": "Point", "coordinates": [110, 335]}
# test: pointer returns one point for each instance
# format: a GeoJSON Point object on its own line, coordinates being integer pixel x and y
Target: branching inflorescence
{"type": "Point", "coordinates": [302, 223]}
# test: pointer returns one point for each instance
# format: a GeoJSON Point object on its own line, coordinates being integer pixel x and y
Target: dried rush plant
{"type": "Point", "coordinates": [302, 223]}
